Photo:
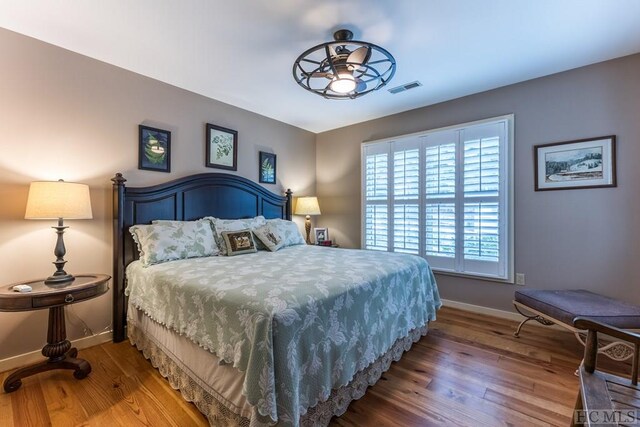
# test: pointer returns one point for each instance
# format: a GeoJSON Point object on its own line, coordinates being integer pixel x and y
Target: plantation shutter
{"type": "Point", "coordinates": [440, 191]}
{"type": "Point", "coordinates": [483, 182]}
{"type": "Point", "coordinates": [443, 195]}
{"type": "Point", "coordinates": [376, 197]}
{"type": "Point", "coordinates": [406, 196]}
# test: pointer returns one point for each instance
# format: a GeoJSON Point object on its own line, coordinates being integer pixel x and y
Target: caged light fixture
{"type": "Point", "coordinates": [344, 68]}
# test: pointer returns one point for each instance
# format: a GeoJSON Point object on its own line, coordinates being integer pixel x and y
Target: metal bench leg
{"type": "Point", "coordinates": [517, 332]}
{"type": "Point", "coordinates": [535, 317]}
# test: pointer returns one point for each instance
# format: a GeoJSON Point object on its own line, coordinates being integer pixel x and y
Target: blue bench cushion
{"type": "Point", "coordinates": [567, 305]}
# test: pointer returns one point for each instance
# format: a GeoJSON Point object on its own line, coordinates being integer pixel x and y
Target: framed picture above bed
{"type": "Point", "coordinates": [571, 165]}
{"type": "Point", "coordinates": [267, 168]}
{"type": "Point", "coordinates": [222, 148]}
{"type": "Point", "coordinates": [154, 149]}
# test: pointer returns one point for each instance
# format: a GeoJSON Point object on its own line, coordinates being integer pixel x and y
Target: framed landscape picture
{"type": "Point", "coordinates": [222, 148]}
{"type": "Point", "coordinates": [267, 168]}
{"type": "Point", "coordinates": [154, 149]}
{"type": "Point", "coordinates": [584, 163]}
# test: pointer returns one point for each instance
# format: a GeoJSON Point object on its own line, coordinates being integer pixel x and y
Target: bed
{"type": "Point", "coordinates": [288, 337]}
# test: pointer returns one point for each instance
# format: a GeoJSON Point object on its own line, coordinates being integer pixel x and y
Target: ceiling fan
{"type": "Point", "coordinates": [344, 68]}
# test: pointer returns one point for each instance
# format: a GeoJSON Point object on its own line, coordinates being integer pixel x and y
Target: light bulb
{"type": "Point", "coordinates": [343, 83]}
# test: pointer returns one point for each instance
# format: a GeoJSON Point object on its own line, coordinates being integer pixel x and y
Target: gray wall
{"type": "Point", "coordinates": [63, 115]}
{"type": "Point", "coordinates": [563, 239]}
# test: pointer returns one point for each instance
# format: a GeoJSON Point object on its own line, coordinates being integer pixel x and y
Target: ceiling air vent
{"type": "Point", "coordinates": [405, 87]}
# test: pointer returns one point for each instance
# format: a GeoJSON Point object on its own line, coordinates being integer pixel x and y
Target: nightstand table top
{"type": "Point", "coordinates": [84, 287]}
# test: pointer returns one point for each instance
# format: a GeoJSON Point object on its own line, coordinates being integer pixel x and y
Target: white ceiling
{"type": "Point", "coordinates": [241, 51]}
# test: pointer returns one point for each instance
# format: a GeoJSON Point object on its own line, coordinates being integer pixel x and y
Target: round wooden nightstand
{"type": "Point", "coordinates": [53, 297]}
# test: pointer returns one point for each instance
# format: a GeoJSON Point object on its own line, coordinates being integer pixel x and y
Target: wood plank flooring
{"type": "Point", "coordinates": [468, 371]}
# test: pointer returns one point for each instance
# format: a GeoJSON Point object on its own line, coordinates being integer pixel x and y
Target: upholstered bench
{"type": "Point", "coordinates": [561, 307]}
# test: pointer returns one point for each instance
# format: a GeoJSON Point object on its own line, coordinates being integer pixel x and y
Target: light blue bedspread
{"type": "Point", "coordinates": [299, 322]}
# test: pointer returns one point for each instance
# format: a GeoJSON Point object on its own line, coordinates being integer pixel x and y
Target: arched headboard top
{"type": "Point", "coordinates": [219, 195]}
{"type": "Point", "coordinates": [197, 180]}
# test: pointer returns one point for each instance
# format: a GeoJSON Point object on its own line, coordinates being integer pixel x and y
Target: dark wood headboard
{"type": "Point", "coordinates": [210, 194]}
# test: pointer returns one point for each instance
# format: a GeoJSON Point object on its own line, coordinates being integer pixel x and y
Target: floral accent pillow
{"type": "Point", "coordinates": [239, 242]}
{"type": "Point", "coordinates": [288, 232]}
{"type": "Point", "coordinates": [221, 225]}
{"type": "Point", "coordinates": [269, 237]}
{"type": "Point", "coordinates": [171, 240]}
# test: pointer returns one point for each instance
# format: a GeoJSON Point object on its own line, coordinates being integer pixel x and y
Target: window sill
{"type": "Point", "coordinates": [475, 277]}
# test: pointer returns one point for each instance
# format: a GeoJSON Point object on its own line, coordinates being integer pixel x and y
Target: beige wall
{"type": "Point", "coordinates": [563, 239]}
{"type": "Point", "coordinates": [63, 115]}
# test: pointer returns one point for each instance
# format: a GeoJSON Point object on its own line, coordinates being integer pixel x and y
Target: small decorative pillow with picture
{"type": "Point", "coordinates": [222, 225]}
{"type": "Point", "coordinates": [239, 242]}
{"type": "Point", "coordinates": [288, 232]}
{"type": "Point", "coordinates": [269, 237]}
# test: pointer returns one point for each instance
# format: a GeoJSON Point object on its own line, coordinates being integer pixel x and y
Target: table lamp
{"type": "Point", "coordinates": [307, 206]}
{"type": "Point", "coordinates": [58, 200]}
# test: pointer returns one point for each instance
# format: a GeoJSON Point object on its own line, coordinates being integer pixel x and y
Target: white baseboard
{"type": "Point", "coordinates": [509, 315]}
{"type": "Point", "coordinates": [36, 356]}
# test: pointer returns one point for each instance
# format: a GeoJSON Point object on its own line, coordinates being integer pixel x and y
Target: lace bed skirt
{"type": "Point", "coordinates": [220, 415]}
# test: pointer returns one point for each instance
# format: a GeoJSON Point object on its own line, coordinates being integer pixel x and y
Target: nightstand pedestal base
{"type": "Point", "coordinates": [58, 350]}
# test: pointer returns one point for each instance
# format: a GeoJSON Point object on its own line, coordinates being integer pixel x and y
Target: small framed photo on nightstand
{"type": "Point", "coordinates": [321, 235]}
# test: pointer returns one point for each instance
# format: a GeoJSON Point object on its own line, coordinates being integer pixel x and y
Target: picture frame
{"type": "Point", "coordinates": [577, 164]}
{"type": "Point", "coordinates": [222, 148]}
{"type": "Point", "coordinates": [266, 168]}
{"type": "Point", "coordinates": [321, 234]}
{"type": "Point", "coordinates": [154, 149]}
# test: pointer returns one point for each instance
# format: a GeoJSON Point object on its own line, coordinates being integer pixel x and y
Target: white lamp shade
{"type": "Point", "coordinates": [58, 199]}
{"type": "Point", "coordinates": [307, 206]}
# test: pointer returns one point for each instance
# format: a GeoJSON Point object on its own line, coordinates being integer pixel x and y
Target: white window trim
{"type": "Point", "coordinates": [510, 202]}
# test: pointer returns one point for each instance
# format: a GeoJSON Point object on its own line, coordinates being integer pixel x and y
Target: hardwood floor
{"type": "Point", "coordinates": [469, 371]}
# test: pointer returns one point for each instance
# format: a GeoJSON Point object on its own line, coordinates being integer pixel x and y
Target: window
{"type": "Point", "coordinates": [444, 194]}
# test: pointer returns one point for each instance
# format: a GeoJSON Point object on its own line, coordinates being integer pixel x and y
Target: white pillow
{"type": "Point", "coordinates": [221, 225]}
{"type": "Point", "coordinates": [206, 220]}
{"type": "Point", "coordinates": [171, 240]}
{"type": "Point", "coordinates": [268, 235]}
{"type": "Point", "coordinates": [288, 231]}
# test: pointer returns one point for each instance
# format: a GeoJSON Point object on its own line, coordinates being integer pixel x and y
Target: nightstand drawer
{"type": "Point", "coordinates": [64, 298]}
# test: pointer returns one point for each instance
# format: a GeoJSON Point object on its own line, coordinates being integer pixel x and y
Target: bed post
{"type": "Point", "coordinates": [118, 258]}
{"type": "Point", "coordinates": [289, 205]}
